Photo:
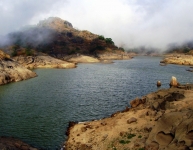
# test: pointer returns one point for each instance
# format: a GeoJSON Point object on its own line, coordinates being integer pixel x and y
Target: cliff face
{"type": "Point", "coordinates": [11, 71]}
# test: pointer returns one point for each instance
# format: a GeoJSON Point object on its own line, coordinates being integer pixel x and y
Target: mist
{"type": "Point", "coordinates": [130, 23]}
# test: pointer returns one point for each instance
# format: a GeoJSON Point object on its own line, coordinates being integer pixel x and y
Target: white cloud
{"type": "Point", "coordinates": [131, 23]}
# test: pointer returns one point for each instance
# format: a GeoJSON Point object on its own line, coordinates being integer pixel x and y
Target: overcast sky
{"type": "Point", "coordinates": [130, 23]}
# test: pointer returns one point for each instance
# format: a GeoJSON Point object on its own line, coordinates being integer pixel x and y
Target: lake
{"type": "Point", "coordinates": [38, 110]}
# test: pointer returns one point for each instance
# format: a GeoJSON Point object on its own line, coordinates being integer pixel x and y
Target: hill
{"type": "Point", "coordinates": [58, 38]}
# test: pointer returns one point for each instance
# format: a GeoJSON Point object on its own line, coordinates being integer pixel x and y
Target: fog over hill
{"type": "Point", "coordinates": [130, 23]}
{"type": "Point", "coordinates": [56, 37]}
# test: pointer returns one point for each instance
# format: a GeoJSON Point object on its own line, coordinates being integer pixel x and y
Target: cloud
{"type": "Point", "coordinates": [130, 23]}
{"type": "Point", "coordinates": [18, 13]}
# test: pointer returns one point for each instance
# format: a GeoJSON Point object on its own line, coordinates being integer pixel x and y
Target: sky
{"type": "Point", "coordinates": [130, 23]}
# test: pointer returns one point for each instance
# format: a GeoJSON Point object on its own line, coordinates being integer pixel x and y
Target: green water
{"type": "Point", "coordinates": [38, 110]}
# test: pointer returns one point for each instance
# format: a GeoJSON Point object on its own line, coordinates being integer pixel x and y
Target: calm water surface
{"type": "Point", "coordinates": [38, 110]}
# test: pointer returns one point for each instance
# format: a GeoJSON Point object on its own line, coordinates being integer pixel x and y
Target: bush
{"type": "Point", "coordinates": [99, 47]}
{"type": "Point", "coordinates": [109, 41]}
{"type": "Point", "coordinates": [124, 142]}
{"type": "Point", "coordinates": [186, 50]}
{"type": "Point", "coordinates": [101, 37]}
{"type": "Point", "coordinates": [16, 47]}
{"type": "Point", "coordinates": [122, 49]}
{"type": "Point", "coordinates": [28, 51]}
{"type": "Point", "coordinates": [71, 52]}
{"type": "Point", "coordinates": [14, 53]}
{"type": "Point", "coordinates": [130, 136]}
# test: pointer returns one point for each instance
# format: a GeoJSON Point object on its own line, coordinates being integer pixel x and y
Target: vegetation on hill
{"type": "Point", "coordinates": [57, 37]}
{"type": "Point", "coordinates": [185, 48]}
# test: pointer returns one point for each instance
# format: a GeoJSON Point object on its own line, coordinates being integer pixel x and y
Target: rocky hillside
{"type": "Point", "coordinates": [58, 38]}
{"type": "Point", "coordinates": [11, 71]}
{"type": "Point", "coordinates": [157, 121]}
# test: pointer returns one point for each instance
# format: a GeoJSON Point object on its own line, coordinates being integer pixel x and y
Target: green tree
{"type": "Point", "coordinates": [28, 51]}
{"type": "Point", "coordinates": [101, 37]}
{"type": "Point", "coordinates": [122, 49]}
{"type": "Point", "coordinates": [186, 50]}
{"type": "Point", "coordinates": [16, 47]}
{"type": "Point", "coordinates": [109, 41]}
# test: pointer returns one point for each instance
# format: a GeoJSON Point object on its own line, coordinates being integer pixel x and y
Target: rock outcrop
{"type": "Point", "coordinates": [159, 120]}
{"type": "Point", "coordinates": [81, 59]}
{"type": "Point", "coordinates": [12, 71]}
{"type": "Point", "coordinates": [114, 56]}
{"type": "Point", "coordinates": [174, 82]}
{"type": "Point", "coordinates": [178, 59]}
{"type": "Point", "coordinates": [43, 62]}
{"type": "Point", "coordinates": [55, 23]}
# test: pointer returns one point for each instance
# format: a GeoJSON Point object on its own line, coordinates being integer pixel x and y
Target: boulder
{"type": "Point", "coordinates": [131, 120]}
{"type": "Point", "coordinates": [135, 103]}
{"type": "Point", "coordinates": [173, 82]}
{"type": "Point", "coordinates": [158, 83]}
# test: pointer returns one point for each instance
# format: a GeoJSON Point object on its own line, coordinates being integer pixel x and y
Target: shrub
{"type": "Point", "coordinates": [16, 47]}
{"type": "Point", "coordinates": [186, 50]}
{"type": "Point", "coordinates": [101, 37]}
{"type": "Point", "coordinates": [99, 47]}
{"type": "Point", "coordinates": [124, 142]}
{"type": "Point", "coordinates": [130, 136]}
{"type": "Point", "coordinates": [109, 41]}
{"type": "Point", "coordinates": [122, 49]}
{"type": "Point", "coordinates": [28, 51]}
{"type": "Point", "coordinates": [14, 53]}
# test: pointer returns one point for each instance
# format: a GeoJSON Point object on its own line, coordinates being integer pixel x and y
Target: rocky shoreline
{"type": "Point", "coordinates": [12, 71]}
{"type": "Point", "coordinates": [70, 61]}
{"type": "Point", "coordinates": [179, 59]}
{"type": "Point", "coordinates": [17, 68]}
{"type": "Point", "coordinates": [32, 62]}
{"type": "Point", "coordinates": [81, 59]}
{"type": "Point", "coordinates": [9, 143]}
{"type": "Point", "coordinates": [159, 120]}
{"type": "Point", "coordinates": [103, 58]}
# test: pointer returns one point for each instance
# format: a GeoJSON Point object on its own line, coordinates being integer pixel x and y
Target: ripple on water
{"type": "Point", "coordinates": [38, 110]}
